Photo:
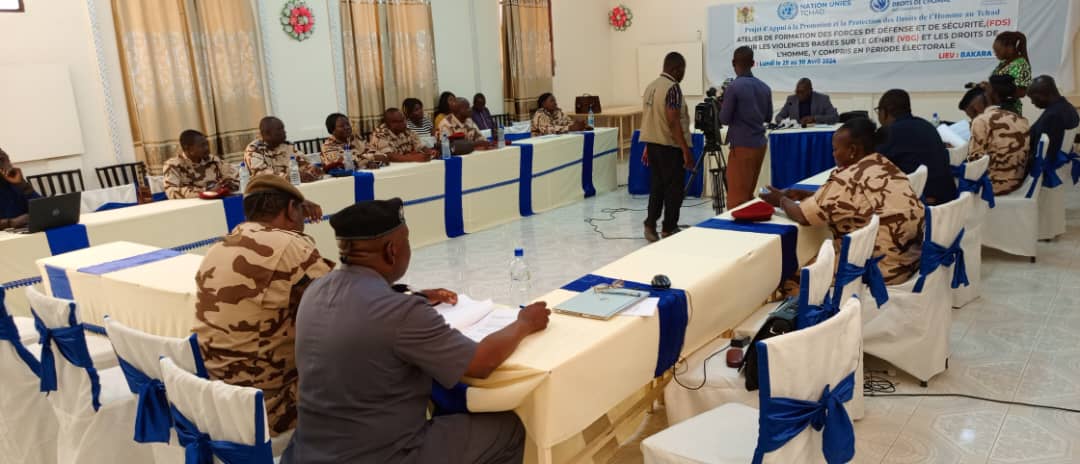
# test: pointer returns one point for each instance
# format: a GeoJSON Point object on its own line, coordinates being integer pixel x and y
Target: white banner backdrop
{"type": "Point", "coordinates": [874, 45]}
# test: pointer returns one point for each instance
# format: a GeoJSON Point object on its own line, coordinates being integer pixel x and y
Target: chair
{"type": "Point", "coordinates": [973, 178]}
{"type": "Point", "coordinates": [503, 119]}
{"type": "Point", "coordinates": [99, 347]}
{"type": "Point", "coordinates": [858, 274]}
{"type": "Point", "coordinates": [957, 155]}
{"type": "Point", "coordinates": [911, 331]}
{"type": "Point", "coordinates": [157, 187]}
{"type": "Point", "coordinates": [27, 422]}
{"type": "Point", "coordinates": [918, 180]}
{"type": "Point", "coordinates": [104, 199]}
{"type": "Point", "coordinates": [95, 411]}
{"type": "Point", "coordinates": [215, 418]}
{"type": "Point", "coordinates": [806, 377]}
{"type": "Point", "coordinates": [138, 354]}
{"type": "Point", "coordinates": [1012, 225]}
{"type": "Point", "coordinates": [1056, 169]}
{"type": "Point", "coordinates": [122, 174]}
{"type": "Point", "coordinates": [57, 183]}
{"type": "Point", "coordinates": [721, 384]}
{"type": "Point", "coordinates": [309, 146]}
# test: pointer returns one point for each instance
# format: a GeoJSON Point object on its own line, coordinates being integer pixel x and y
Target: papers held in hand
{"type": "Point", "coordinates": [957, 134]}
{"type": "Point", "coordinates": [601, 303]}
{"type": "Point", "coordinates": [476, 319]}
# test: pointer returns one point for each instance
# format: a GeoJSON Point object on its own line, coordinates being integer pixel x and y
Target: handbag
{"type": "Point", "coordinates": [779, 322]}
{"type": "Point", "coordinates": [583, 103]}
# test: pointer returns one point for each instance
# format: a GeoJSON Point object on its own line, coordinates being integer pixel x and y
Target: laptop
{"type": "Point", "coordinates": [56, 211]}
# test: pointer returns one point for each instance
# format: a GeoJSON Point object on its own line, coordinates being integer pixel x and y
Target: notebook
{"type": "Point", "coordinates": [601, 304]}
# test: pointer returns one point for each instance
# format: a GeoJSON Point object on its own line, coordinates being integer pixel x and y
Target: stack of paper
{"type": "Point", "coordinates": [476, 319]}
{"type": "Point", "coordinates": [957, 134]}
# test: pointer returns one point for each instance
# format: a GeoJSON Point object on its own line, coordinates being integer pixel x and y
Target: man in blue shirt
{"type": "Point", "coordinates": [910, 142]}
{"type": "Point", "coordinates": [1058, 116]}
{"type": "Point", "coordinates": [746, 108]}
{"type": "Point", "coordinates": [15, 195]}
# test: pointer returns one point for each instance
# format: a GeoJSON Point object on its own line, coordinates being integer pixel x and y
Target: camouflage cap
{"type": "Point", "coordinates": [368, 220]}
{"type": "Point", "coordinates": [270, 182]}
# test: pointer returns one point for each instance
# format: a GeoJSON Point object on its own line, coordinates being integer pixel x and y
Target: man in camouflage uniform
{"type": "Point", "coordinates": [998, 133]}
{"type": "Point", "coordinates": [394, 140]}
{"type": "Point", "coordinates": [270, 153]}
{"type": "Point", "coordinates": [864, 184]}
{"type": "Point", "coordinates": [343, 139]}
{"type": "Point", "coordinates": [459, 121]}
{"type": "Point", "coordinates": [196, 170]}
{"type": "Point", "coordinates": [248, 289]}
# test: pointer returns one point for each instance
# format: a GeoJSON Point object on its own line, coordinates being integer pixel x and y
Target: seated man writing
{"type": "Point", "coordinates": [998, 133]}
{"type": "Point", "coordinates": [342, 140]}
{"type": "Point", "coordinates": [248, 289]}
{"type": "Point", "coordinates": [394, 141]}
{"type": "Point", "coordinates": [863, 184]}
{"type": "Point", "coordinates": [459, 123]}
{"type": "Point", "coordinates": [195, 170]}
{"type": "Point", "coordinates": [270, 153]}
{"type": "Point", "coordinates": [368, 356]}
{"type": "Point", "coordinates": [549, 119]}
{"type": "Point", "coordinates": [808, 106]}
{"type": "Point", "coordinates": [15, 195]}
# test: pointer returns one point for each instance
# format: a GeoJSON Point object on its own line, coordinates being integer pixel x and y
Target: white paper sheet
{"type": "Point", "coordinates": [647, 308]}
{"type": "Point", "coordinates": [957, 134]}
{"type": "Point", "coordinates": [467, 313]}
{"type": "Point", "coordinates": [495, 321]}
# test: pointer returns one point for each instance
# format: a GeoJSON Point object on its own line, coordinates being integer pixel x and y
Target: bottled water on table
{"type": "Point", "coordinates": [935, 121]}
{"type": "Point", "coordinates": [500, 136]}
{"type": "Point", "coordinates": [245, 177]}
{"type": "Point", "coordinates": [350, 165]}
{"type": "Point", "coordinates": [592, 118]}
{"type": "Point", "coordinates": [294, 171]}
{"type": "Point", "coordinates": [445, 142]}
{"type": "Point", "coordinates": [519, 278]}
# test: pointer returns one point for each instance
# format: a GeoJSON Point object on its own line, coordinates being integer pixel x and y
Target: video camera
{"type": "Point", "coordinates": [707, 113]}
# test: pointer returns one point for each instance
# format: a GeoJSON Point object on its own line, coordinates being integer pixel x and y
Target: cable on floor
{"type": "Point", "coordinates": [880, 387]}
{"type": "Point", "coordinates": [611, 212]}
{"type": "Point", "coordinates": [704, 370]}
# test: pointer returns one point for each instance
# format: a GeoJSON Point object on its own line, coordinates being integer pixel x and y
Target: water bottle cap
{"type": "Point", "coordinates": [518, 252]}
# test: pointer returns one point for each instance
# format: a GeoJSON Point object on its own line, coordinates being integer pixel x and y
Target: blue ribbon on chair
{"type": "Point", "coordinates": [1050, 166]}
{"type": "Point", "coordinates": [152, 422]}
{"type": "Point", "coordinates": [1038, 165]}
{"type": "Point", "coordinates": [199, 448]}
{"type": "Point", "coordinates": [452, 400]}
{"type": "Point", "coordinates": [71, 342]}
{"type": "Point", "coordinates": [810, 315]}
{"type": "Point", "coordinates": [673, 311]}
{"type": "Point", "coordinates": [870, 274]}
{"type": "Point", "coordinates": [981, 186]}
{"type": "Point", "coordinates": [934, 256]}
{"type": "Point", "coordinates": [1073, 159]}
{"type": "Point", "coordinates": [9, 332]}
{"type": "Point", "coordinates": [786, 418]}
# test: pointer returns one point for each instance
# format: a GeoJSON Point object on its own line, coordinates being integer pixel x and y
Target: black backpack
{"type": "Point", "coordinates": [780, 321]}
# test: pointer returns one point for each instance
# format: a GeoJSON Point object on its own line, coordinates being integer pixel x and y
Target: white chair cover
{"type": "Point", "coordinates": [798, 366]}
{"type": "Point", "coordinates": [223, 412]}
{"type": "Point", "coordinates": [912, 330]}
{"type": "Point", "coordinates": [857, 249]}
{"type": "Point", "coordinates": [957, 155]}
{"type": "Point", "coordinates": [139, 354]}
{"type": "Point", "coordinates": [719, 384]}
{"type": "Point", "coordinates": [94, 408]}
{"type": "Point", "coordinates": [1052, 199]}
{"type": "Point", "coordinates": [113, 197]}
{"type": "Point", "coordinates": [1012, 225]}
{"type": "Point", "coordinates": [973, 236]}
{"type": "Point", "coordinates": [27, 422]}
{"type": "Point", "coordinates": [27, 332]}
{"type": "Point", "coordinates": [157, 184]}
{"type": "Point", "coordinates": [918, 180]}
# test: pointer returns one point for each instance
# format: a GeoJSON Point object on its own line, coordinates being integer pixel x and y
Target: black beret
{"type": "Point", "coordinates": [368, 220]}
{"type": "Point", "coordinates": [970, 96]}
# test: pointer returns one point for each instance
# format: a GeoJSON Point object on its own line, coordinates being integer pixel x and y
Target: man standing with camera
{"type": "Point", "coordinates": [665, 127]}
{"type": "Point", "coordinates": [746, 109]}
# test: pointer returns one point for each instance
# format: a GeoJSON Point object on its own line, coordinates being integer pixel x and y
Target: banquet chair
{"type": "Point", "coordinates": [227, 421]}
{"type": "Point", "coordinates": [109, 198]}
{"type": "Point", "coordinates": [57, 183]}
{"type": "Point", "coordinates": [1012, 225]}
{"type": "Point", "coordinates": [974, 179]}
{"type": "Point", "coordinates": [806, 376]}
{"type": "Point", "coordinates": [1056, 172]}
{"type": "Point", "coordinates": [857, 273]}
{"type": "Point", "coordinates": [27, 422]}
{"type": "Point", "coordinates": [94, 409]}
{"type": "Point", "coordinates": [309, 146]}
{"type": "Point", "coordinates": [100, 349]}
{"type": "Point", "coordinates": [911, 331]}
{"type": "Point", "coordinates": [958, 155]}
{"type": "Point", "coordinates": [138, 354]}
{"type": "Point", "coordinates": [918, 180]}
{"type": "Point", "coordinates": [121, 174]}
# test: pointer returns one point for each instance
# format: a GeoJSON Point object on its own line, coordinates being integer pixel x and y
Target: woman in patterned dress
{"type": "Point", "coordinates": [1010, 47]}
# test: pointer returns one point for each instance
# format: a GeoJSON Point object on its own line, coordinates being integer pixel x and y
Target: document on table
{"type": "Point", "coordinates": [476, 319]}
{"type": "Point", "coordinates": [647, 308]}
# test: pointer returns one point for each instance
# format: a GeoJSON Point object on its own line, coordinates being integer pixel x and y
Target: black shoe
{"type": "Point", "coordinates": [650, 233]}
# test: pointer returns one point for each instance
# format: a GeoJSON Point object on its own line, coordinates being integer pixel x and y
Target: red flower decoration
{"type": "Point", "coordinates": [297, 19]}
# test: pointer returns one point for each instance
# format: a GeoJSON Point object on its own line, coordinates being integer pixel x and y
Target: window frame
{"type": "Point", "coordinates": [20, 9]}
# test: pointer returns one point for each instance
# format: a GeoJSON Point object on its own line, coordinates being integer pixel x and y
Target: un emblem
{"type": "Point", "coordinates": [879, 6]}
{"type": "Point", "coordinates": [787, 10]}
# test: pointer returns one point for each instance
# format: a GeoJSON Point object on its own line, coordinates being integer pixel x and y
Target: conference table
{"type": "Point", "coordinates": [443, 199]}
{"type": "Point", "coordinates": [573, 384]}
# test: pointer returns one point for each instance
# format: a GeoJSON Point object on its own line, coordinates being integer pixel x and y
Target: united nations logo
{"type": "Point", "coordinates": [879, 6]}
{"type": "Point", "coordinates": [787, 10]}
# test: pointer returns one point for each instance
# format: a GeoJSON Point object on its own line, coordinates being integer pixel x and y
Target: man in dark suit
{"type": "Point", "coordinates": [910, 142]}
{"type": "Point", "coordinates": [808, 106]}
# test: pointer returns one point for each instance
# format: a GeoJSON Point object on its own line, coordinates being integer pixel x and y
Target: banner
{"type": "Point", "coordinates": [874, 45]}
{"type": "Point", "coordinates": [838, 32]}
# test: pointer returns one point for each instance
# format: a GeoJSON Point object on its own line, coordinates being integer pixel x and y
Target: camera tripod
{"type": "Point", "coordinates": [717, 166]}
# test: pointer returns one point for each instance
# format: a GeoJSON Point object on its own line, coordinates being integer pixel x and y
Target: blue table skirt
{"type": "Point", "coordinates": [797, 155]}
{"type": "Point", "coordinates": [640, 178]}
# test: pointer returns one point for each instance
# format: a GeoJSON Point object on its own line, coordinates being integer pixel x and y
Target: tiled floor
{"type": "Point", "coordinates": [1018, 342]}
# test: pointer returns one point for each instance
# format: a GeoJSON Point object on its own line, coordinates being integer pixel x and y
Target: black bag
{"type": "Point", "coordinates": [780, 321]}
{"type": "Point", "coordinates": [583, 103]}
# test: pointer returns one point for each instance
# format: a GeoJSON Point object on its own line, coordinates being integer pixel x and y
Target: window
{"type": "Point", "coordinates": [11, 6]}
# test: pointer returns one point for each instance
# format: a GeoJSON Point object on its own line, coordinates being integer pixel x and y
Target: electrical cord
{"type": "Point", "coordinates": [704, 370]}
{"type": "Point", "coordinates": [611, 212]}
{"type": "Point", "coordinates": [880, 387]}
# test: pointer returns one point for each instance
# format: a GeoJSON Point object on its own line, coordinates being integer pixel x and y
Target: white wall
{"type": "Point", "coordinates": [583, 43]}
{"type": "Point", "coordinates": [467, 54]}
{"type": "Point", "coordinates": [62, 32]}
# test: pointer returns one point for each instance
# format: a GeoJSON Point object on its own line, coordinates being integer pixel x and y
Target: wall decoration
{"type": "Point", "coordinates": [620, 18]}
{"type": "Point", "coordinates": [297, 19]}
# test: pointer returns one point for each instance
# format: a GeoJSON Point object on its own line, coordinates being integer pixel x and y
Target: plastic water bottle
{"type": "Point", "coordinates": [294, 171]}
{"type": "Point", "coordinates": [245, 177]}
{"type": "Point", "coordinates": [350, 165]}
{"type": "Point", "coordinates": [445, 142]}
{"type": "Point", "coordinates": [519, 278]}
{"type": "Point", "coordinates": [935, 121]}
{"type": "Point", "coordinates": [592, 118]}
{"type": "Point", "coordinates": [500, 136]}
